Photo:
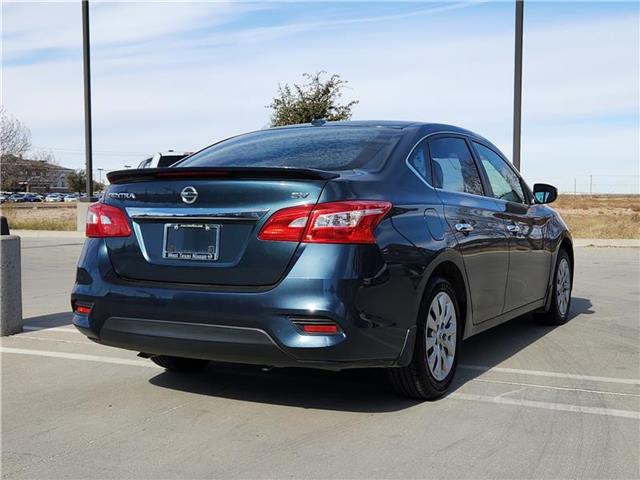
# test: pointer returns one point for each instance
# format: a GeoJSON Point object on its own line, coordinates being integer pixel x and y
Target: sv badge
{"type": "Point", "coordinates": [299, 195]}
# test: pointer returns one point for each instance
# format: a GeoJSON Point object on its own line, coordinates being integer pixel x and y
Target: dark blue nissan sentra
{"type": "Point", "coordinates": [326, 245]}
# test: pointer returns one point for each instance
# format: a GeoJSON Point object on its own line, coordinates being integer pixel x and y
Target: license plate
{"type": "Point", "coordinates": [191, 241]}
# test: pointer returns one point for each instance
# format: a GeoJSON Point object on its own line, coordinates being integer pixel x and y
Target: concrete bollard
{"type": "Point", "coordinates": [81, 216]}
{"type": "Point", "coordinates": [82, 206]}
{"type": "Point", "coordinates": [10, 285]}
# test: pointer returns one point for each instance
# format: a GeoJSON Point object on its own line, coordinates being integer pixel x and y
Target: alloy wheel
{"type": "Point", "coordinates": [563, 286]}
{"type": "Point", "coordinates": [441, 336]}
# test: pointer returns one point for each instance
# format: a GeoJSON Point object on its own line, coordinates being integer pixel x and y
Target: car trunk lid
{"type": "Point", "coordinates": [200, 225]}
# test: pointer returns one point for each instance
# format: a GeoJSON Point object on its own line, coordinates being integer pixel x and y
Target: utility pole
{"type": "Point", "coordinates": [100, 170]}
{"type": "Point", "coordinates": [590, 184]}
{"type": "Point", "coordinates": [517, 85]}
{"type": "Point", "coordinates": [87, 99]}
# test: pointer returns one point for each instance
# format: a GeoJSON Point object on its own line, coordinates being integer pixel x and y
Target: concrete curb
{"type": "Point", "coordinates": [47, 233]}
{"type": "Point", "coordinates": [607, 242]}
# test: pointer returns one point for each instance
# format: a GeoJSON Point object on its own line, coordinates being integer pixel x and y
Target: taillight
{"type": "Point", "coordinates": [334, 222]}
{"type": "Point", "coordinates": [106, 221]}
{"type": "Point", "coordinates": [286, 225]}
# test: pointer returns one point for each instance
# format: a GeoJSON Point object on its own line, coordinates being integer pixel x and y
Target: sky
{"type": "Point", "coordinates": [178, 75]}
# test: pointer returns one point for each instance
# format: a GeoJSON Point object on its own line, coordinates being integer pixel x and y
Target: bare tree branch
{"type": "Point", "coordinates": [15, 137]}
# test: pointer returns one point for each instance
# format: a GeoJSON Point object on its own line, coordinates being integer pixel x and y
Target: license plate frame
{"type": "Point", "coordinates": [209, 251]}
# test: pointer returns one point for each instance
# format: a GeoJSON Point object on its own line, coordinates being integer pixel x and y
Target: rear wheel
{"type": "Point", "coordinates": [435, 355]}
{"type": "Point", "coordinates": [558, 312]}
{"type": "Point", "coordinates": [179, 364]}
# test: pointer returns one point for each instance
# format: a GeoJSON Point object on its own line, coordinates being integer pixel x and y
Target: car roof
{"type": "Point", "coordinates": [427, 127]}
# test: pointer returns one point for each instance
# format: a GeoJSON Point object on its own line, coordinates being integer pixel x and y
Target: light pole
{"type": "Point", "coordinates": [87, 99]}
{"type": "Point", "coordinates": [517, 85]}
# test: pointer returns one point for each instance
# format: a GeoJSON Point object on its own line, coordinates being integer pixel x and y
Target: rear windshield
{"type": "Point", "coordinates": [323, 148]}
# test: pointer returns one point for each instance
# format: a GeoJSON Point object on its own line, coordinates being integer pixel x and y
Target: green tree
{"type": "Point", "coordinates": [77, 182]}
{"type": "Point", "coordinates": [315, 99]}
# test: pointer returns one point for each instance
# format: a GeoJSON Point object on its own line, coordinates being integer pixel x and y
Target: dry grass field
{"type": "Point", "coordinates": [40, 216]}
{"type": "Point", "coordinates": [588, 216]}
{"type": "Point", "coordinates": [601, 216]}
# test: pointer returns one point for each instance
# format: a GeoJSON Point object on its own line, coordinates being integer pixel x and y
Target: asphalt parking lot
{"type": "Point", "coordinates": [530, 401]}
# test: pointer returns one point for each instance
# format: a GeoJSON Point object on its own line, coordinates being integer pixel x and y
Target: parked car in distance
{"type": "Point", "coordinates": [16, 198]}
{"type": "Point", "coordinates": [73, 197]}
{"type": "Point", "coordinates": [163, 159]}
{"type": "Point", "coordinates": [24, 198]}
{"type": "Point", "coordinates": [54, 197]}
{"type": "Point", "coordinates": [331, 245]}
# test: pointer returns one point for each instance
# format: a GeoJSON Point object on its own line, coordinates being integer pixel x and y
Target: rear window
{"type": "Point", "coordinates": [323, 148]}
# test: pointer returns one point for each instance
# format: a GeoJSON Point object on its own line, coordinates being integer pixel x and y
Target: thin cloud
{"type": "Point", "coordinates": [191, 76]}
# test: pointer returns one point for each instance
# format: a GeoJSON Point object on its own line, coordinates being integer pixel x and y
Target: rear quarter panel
{"type": "Point", "coordinates": [414, 239]}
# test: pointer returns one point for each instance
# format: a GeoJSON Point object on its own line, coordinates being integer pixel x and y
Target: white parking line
{"type": "Point", "coordinates": [562, 407]}
{"type": "Point", "coordinates": [551, 387]}
{"type": "Point", "coordinates": [35, 328]}
{"type": "Point", "coordinates": [539, 373]}
{"type": "Point", "coordinates": [59, 340]}
{"type": "Point", "coordinates": [79, 356]}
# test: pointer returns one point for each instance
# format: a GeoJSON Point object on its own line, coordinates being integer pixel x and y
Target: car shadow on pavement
{"type": "Point", "coordinates": [580, 306]}
{"type": "Point", "coordinates": [51, 320]}
{"type": "Point", "coordinates": [365, 390]}
{"type": "Point", "coordinates": [349, 390]}
{"type": "Point", "coordinates": [499, 343]}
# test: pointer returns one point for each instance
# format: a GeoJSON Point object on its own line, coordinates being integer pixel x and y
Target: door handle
{"type": "Point", "coordinates": [513, 228]}
{"type": "Point", "coordinates": [464, 227]}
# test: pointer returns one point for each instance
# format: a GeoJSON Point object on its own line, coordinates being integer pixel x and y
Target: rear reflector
{"type": "Point", "coordinates": [82, 310]}
{"type": "Point", "coordinates": [327, 329]}
{"type": "Point", "coordinates": [322, 327]}
{"type": "Point", "coordinates": [106, 221]}
{"type": "Point", "coordinates": [333, 222]}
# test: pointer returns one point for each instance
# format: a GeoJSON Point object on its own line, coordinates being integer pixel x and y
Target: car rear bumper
{"type": "Point", "coordinates": [216, 342]}
{"type": "Point", "coordinates": [248, 325]}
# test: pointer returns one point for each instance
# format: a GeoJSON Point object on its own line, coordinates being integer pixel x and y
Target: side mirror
{"type": "Point", "coordinates": [544, 193]}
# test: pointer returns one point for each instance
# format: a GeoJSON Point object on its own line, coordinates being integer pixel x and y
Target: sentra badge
{"type": "Point", "coordinates": [122, 195]}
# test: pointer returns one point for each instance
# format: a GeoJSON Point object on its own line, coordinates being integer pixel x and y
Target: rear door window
{"type": "Point", "coordinates": [453, 166]}
{"type": "Point", "coordinates": [504, 181]}
{"type": "Point", "coordinates": [324, 148]}
{"type": "Point", "coordinates": [419, 163]}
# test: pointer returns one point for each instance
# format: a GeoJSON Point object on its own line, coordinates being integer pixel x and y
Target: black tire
{"type": "Point", "coordinates": [557, 315]}
{"type": "Point", "coordinates": [179, 364]}
{"type": "Point", "coordinates": [416, 380]}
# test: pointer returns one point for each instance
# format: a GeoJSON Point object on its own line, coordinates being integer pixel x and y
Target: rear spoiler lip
{"type": "Point", "coordinates": [188, 173]}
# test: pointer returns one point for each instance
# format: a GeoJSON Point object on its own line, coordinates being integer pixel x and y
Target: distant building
{"type": "Point", "coordinates": [20, 174]}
